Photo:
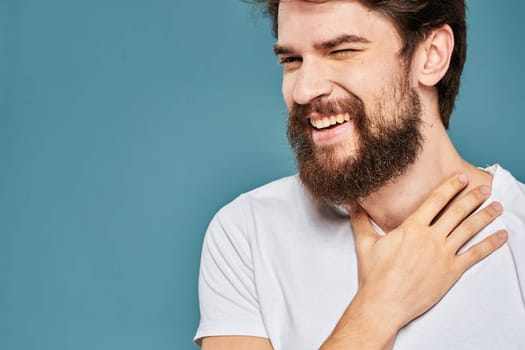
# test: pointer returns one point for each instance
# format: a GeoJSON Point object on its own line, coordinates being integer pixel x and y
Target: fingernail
{"type": "Point", "coordinates": [485, 189]}
{"type": "Point", "coordinates": [503, 235]}
{"type": "Point", "coordinates": [463, 178]}
{"type": "Point", "coordinates": [496, 206]}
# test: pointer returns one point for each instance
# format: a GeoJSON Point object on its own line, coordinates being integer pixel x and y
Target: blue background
{"type": "Point", "coordinates": [124, 126]}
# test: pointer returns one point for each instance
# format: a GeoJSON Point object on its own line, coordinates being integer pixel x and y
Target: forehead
{"type": "Point", "coordinates": [322, 20]}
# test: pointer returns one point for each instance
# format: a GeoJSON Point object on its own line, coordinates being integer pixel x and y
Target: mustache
{"type": "Point", "coordinates": [353, 105]}
{"type": "Point", "coordinates": [324, 108]}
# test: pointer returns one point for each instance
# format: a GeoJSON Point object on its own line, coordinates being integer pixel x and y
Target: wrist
{"type": "Point", "coordinates": [383, 317]}
{"type": "Point", "coordinates": [365, 325]}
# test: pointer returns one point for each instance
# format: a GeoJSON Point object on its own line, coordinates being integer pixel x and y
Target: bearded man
{"type": "Point", "coordinates": [387, 238]}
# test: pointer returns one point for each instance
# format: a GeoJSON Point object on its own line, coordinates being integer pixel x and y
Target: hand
{"type": "Point", "coordinates": [407, 271]}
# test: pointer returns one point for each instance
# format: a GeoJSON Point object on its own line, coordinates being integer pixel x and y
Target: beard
{"type": "Point", "coordinates": [385, 145]}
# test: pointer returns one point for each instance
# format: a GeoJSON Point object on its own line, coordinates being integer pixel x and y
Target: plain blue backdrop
{"type": "Point", "coordinates": [124, 126]}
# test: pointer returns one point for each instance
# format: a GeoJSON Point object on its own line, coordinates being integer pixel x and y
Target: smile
{"type": "Point", "coordinates": [327, 122]}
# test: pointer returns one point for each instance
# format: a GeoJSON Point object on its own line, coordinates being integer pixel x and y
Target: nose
{"type": "Point", "coordinates": [311, 83]}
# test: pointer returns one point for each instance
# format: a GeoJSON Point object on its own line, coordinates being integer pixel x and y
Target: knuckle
{"type": "Point", "coordinates": [469, 227]}
{"type": "Point", "coordinates": [459, 211]}
{"type": "Point", "coordinates": [489, 212]}
{"type": "Point", "coordinates": [485, 216]}
{"type": "Point", "coordinates": [439, 197]}
{"type": "Point", "coordinates": [476, 253]}
{"type": "Point", "coordinates": [455, 182]}
{"type": "Point", "coordinates": [477, 195]}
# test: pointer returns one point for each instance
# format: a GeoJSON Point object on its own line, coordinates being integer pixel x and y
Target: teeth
{"type": "Point", "coordinates": [329, 121]}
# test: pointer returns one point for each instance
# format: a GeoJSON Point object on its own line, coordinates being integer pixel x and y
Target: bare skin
{"type": "Point", "coordinates": [236, 343]}
{"type": "Point", "coordinates": [426, 210]}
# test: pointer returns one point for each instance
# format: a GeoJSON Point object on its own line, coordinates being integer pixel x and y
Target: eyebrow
{"type": "Point", "coordinates": [341, 39]}
{"type": "Point", "coordinates": [324, 45]}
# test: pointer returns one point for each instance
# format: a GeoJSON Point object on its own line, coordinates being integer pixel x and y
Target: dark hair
{"type": "Point", "coordinates": [415, 19]}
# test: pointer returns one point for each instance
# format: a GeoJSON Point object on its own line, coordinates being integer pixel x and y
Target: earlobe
{"type": "Point", "coordinates": [438, 49]}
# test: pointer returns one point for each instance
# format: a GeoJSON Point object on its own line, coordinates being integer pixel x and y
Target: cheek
{"type": "Point", "coordinates": [287, 91]}
{"type": "Point", "coordinates": [361, 85]}
{"type": "Point", "coordinates": [371, 87]}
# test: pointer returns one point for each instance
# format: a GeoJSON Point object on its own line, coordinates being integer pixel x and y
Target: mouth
{"type": "Point", "coordinates": [330, 129]}
{"type": "Point", "coordinates": [329, 122]}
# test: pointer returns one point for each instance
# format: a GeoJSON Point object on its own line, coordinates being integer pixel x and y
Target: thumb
{"type": "Point", "coordinates": [364, 233]}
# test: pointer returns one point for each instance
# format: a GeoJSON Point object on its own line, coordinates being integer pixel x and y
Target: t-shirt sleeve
{"type": "Point", "coordinates": [227, 293]}
{"type": "Point", "coordinates": [517, 235]}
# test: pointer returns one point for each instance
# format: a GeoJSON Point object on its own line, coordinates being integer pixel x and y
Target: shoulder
{"type": "Point", "coordinates": [271, 201]}
{"type": "Point", "coordinates": [510, 192]}
{"type": "Point", "coordinates": [281, 194]}
{"type": "Point", "coordinates": [281, 190]}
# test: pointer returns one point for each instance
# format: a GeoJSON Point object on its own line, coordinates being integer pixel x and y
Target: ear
{"type": "Point", "coordinates": [434, 55]}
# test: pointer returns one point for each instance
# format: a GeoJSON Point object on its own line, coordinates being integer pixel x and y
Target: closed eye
{"type": "Point", "coordinates": [290, 59]}
{"type": "Point", "coordinates": [344, 53]}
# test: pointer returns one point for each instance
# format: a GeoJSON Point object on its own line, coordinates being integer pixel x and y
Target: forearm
{"type": "Point", "coordinates": [364, 326]}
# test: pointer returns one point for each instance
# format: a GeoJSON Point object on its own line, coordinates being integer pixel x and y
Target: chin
{"type": "Point", "coordinates": [332, 156]}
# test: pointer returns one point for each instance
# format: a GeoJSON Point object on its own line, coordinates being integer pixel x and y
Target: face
{"type": "Point", "coordinates": [354, 115]}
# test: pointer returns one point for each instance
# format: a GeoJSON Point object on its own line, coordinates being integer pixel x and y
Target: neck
{"type": "Point", "coordinates": [438, 161]}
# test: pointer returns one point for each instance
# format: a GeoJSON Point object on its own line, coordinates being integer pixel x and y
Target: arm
{"type": "Point", "coordinates": [406, 272]}
{"type": "Point", "coordinates": [229, 307]}
{"type": "Point", "coordinates": [236, 343]}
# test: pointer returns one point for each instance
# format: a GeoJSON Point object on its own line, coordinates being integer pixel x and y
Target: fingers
{"type": "Point", "coordinates": [481, 250]}
{"type": "Point", "coordinates": [471, 226]}
{"type": "Point", "coordinates": [364, 232]}
{"type": "Point", "coordinates": [460, 209]}
{"type": "Point", "coordinates": [440, 198]}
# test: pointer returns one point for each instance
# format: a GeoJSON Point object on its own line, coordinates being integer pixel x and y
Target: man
{"type": "Point", "coordinates": [370, 86]}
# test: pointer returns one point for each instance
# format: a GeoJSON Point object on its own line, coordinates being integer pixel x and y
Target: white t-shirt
{"type": "Point", "coordinates": [276, 264]}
